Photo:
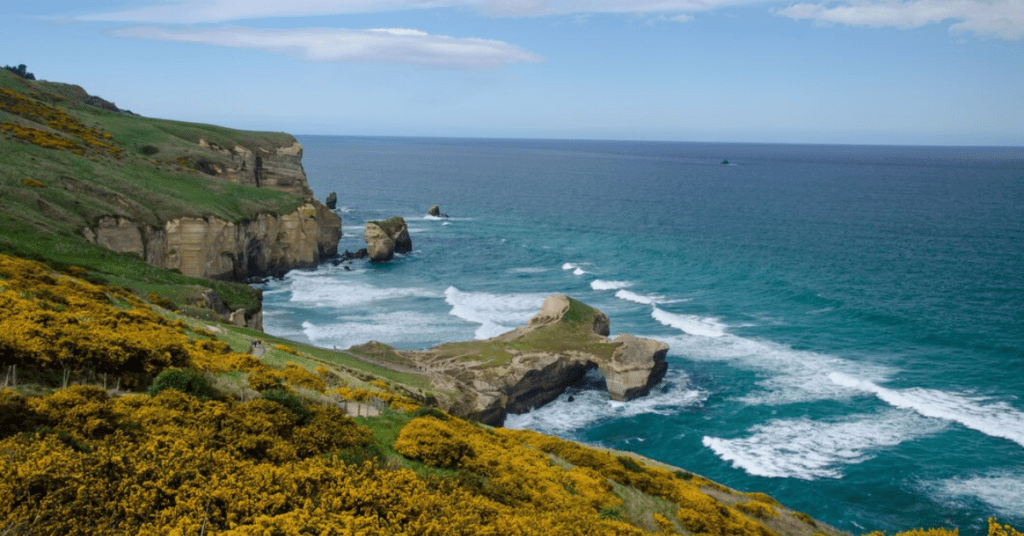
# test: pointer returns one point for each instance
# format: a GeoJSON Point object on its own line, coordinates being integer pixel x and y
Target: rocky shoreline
{"type": "Point", "coordinates": [532, 365]}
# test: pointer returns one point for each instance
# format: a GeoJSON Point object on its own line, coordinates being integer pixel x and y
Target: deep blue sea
{"type": "Point", "coordinates": [846, 323]}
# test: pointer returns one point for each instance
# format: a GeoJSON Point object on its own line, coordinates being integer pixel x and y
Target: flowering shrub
{"type": "Point", "coordinates": [56, 119]}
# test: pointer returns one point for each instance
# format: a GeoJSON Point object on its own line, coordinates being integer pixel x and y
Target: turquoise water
{"type": "Point", "coordinates": [846, 323]}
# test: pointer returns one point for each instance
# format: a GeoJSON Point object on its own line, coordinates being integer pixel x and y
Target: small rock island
{"type": "Point", "coordinates": [385, 238]}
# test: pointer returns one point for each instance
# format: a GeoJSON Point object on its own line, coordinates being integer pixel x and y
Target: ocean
{"type": "Point", "coordinates": [846, 323]}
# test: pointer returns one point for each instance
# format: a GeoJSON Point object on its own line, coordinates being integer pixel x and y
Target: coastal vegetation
{"type": "Point", "coordinates": [128, 406]}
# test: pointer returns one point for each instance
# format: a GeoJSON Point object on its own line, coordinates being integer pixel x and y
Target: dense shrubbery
{"type": "Point", "coordinates": [21, 70]}
{"type": "Point", "coordinates": [56, 323]}
{"type": "Point", "coordinates": [187, 461]}
{"type": "Point", "coordinates": [188, 381]}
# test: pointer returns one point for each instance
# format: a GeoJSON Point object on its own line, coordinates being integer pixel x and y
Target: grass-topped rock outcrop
{"type": "Point", "coordinates": [532, 365]}
{"type": "Point", "coordinates": [385, 238]}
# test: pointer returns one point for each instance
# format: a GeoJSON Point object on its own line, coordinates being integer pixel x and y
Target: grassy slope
{"type": "Point", "coordinates": [72, 191]}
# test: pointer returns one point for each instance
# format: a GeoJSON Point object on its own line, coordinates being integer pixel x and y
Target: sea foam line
{"type": "Point", "coordinates": [589, 406]}
{"type": "Point", "coordinates": [997, 419]}
{"type": "Point", "coordinates": [576, 270]}
{"type": "Point", "coordinates": [1001, 490]}
{"type": "Point", "coordinates": [786, 375]}
{"type": "Point", "coordinates": [600, 284]}
{"type": "Point", "coordinates": [807, 449]}
{"type": "Point", "coordinates": [496, 313]}
{"type": "Point", "coordinates": [690, 324]}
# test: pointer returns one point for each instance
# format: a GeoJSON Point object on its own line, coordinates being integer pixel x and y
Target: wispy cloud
{"type": "Point", "coordinates": [212, 11]}
{"type": "Point", "coordinates": [996, 18]}
{"type": "Point", "coordinates": [390, 45]}
{"type": "Point", "coordinates": [990, 18]}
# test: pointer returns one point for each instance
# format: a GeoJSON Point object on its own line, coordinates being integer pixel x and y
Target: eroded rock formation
{"type": "Point", "coordinates": [531, 366]}
{"type": "Point", "coordinates": [214, 248]}
{"type": "Point", "coordinates": [264, 245]}
{"type": "Point", "coordinates": [385, 238]}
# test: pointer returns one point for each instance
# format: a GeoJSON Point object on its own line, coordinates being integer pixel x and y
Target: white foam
{"type": "Point", "coordinates": [325, 291]}
{"type": "Point", "coordinates": [785, 375]}
{"type": "Point", "coordinates": [398, 328]}
{"type": "Point", "coordinates": [578, 271]}
{"type": "Point", "coordinates": [569, 266]}
{"type": "Point", "coordinates": [1001, 490]}
{"type": "Point", "coordinates": [496, 313]}
{"type": "Point", "coordinates": [690, 324]}
{"type": "Point", "coordinates": [561, 417]}
{"type": "Point", "coordinates": [446, 223]}
{"type": "Point", "coordinates": [635, 298]}
{"type": "Point", "coordinates": [600, 284]}
{"type": "Point", "coordinates": [997, 419]}
{"type": "Point", "coordinates": [528, 270]}
{"type": "Point", "coordinates": [809, 450]}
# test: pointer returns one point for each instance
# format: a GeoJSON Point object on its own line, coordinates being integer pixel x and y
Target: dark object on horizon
{"type": "Point", "coordinates": [21, 71]}
{"type": "Point", "coordinates": [332, 200]}
{"type": "Point", "coordinates": [725, 162]}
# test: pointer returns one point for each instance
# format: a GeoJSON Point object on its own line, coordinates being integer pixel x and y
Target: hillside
{"type": "Point", "coordinates": [129, 405]}
{"type": "Point", "coordinates": [84, 183]}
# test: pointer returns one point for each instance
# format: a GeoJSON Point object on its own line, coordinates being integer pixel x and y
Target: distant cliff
{"type": "Point", "coordinates": [85, 183]}
{"type": "Point", "coordinates": [262, 245]}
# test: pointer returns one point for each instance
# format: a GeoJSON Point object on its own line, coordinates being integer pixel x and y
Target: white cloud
{"type": "Point", "coordinates": [208, 11]}
{"type": "Point", "coordinates": [991, 18]}
{"type": "Point", "coordinates": [392, 45]}
{"type": "Point", "coordinates": [988, 18]}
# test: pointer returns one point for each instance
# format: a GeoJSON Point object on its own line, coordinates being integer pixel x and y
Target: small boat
{"type": "Point", "coordinates": [725, 162]}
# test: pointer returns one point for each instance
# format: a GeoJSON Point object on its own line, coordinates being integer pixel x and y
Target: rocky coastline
{"type": "Point", "coordinates": [532, 365]}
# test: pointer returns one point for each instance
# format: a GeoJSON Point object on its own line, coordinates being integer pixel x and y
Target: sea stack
{"type": "Point", "coordinates": [385, 238]}
{"type": "Point", "coordinates": [435, 211]}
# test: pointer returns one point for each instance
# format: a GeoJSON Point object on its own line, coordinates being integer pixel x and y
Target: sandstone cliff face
{"type": "Point", "coordinates": [277, 168]}
{"type": "Point", "coordinates": [214, 248]}
{"type": "Point", "coordinates": [265, 245]}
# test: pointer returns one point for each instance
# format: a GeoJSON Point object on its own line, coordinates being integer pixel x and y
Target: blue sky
{"type": "Point", "coordinates": [939, 72]}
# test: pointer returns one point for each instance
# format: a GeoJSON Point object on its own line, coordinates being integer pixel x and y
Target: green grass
{"type": "Point", "coordinates": [47, 223]}
{"type": "Point", "coordinates": [573, 333]}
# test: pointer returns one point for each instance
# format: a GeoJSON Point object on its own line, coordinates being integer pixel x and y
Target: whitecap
{"type": "Point", "coordinates": [807, 449]}
{"type": "Point", "coordinates": [343, 293]}
{"type": "Point", "coordinates": [996, 419]}
{"type": "Point", "coordinates": [600, 284]}
{"type": "Point", "coordinates": [397, 328]}
{"type": "Point", "coordinates": [690, 324]}
{"type": "Point", "coordinates": [787, 375]}
{"type": "Point", "coordinates": [496, 313]}
{"type": "Point", "coordinates": [636, 298]}
{"type": "Point", "coordinates": [1000, 490]}
{"type": "Point", "coordinates": [578, 271]}
{"type": "Point", "coordinates": [528, 270]}
{"type": "Point", "coordinates": [589, 406]}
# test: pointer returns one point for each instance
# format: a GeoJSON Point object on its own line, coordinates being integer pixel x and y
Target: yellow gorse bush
{"type": "Point", "coordinates": [55, 322]}
{"type": "Point", "coordinates": [82, 462]}
{"type": "Point", "coordinates": [57, 120]}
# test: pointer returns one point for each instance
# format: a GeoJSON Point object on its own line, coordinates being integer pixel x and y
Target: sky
{"type": "Point", "coordinates": [892, 72]}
